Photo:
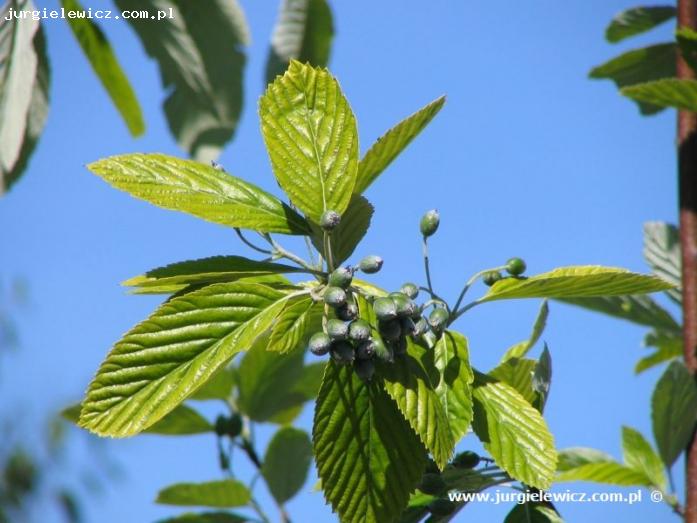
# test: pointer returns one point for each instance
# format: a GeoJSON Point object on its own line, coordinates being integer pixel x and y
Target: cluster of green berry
{"type": "Point", "coordinates": [514, 266]}
{"type": "Point", "coordinates": [432, 482]}
{"type": "Point", "coordinates": [350, 339]}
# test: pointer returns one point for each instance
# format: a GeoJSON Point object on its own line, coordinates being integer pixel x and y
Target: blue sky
{"type": "Point", "coordinates": [528, 158]}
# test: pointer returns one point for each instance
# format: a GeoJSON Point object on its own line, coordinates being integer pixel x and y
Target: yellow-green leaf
{"type": "Point", "coordinates": [105, 65]}
{"type": "Point", "coordinates": [223, 493]}
{"type": "Point", "coordinates": [311, 137]}
{"type": "Point", "coordinates": [163, 360]}
{"type": "Point", "coordinates": [392, 143]}
{"type": "Point", "coordinates": [576, 282]}
{"type": "Point", "coordinates": [513, 432]}
{"type": "Point", "coordinates": [216, 269]}
{"type": "Point", "coordinates": [409, 385]}
{"type": "Point", "coordinates": [199, 189]}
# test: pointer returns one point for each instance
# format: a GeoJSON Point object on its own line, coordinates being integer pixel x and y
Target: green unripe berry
{"type": "Point", "coordinates": [228, 426]}
{"type": "Point", "coordinates": [335, 296]}
{"type": "Point", "coordinates": [347, 312]}
{"type": "Point", "coordinates": [342, 352]}
{"type": "Point", "coordinates": [411, 290]}
{"type": "Point", "coordinates": [382, 351]}
{"type": "Point", "coordinates": [441, 507]}
{"type": "Point", "coordinates": [466, 460]}
{"type": "Point", "coordinates": [234, 426]}
{"type": "Point", "coordinates": [364, 369]}
{"type": "Point", "coordinates": [390, 330]}
{"type": "Point", "coordinates": [420, 327]}
{"type": "Point", "coordinates": [365, 350]}
{"type": "Point", "coordinates": [515, 266]}
{"type": "Point", "coordinates": [438, 318]}
{"type": "Point", "coordinates": [408, 326]}
{"type": "Point", "coordinates": [221, 425]}
{"type": "Point", "coordinates": [337, 329]}
{"type": "Point", "coordinates": [359, 330]}
{"type": "Point", "coordinates": [341, 277]}
{"type": "Point", "coordinates": [431, 484]}
{"type": "Point", "coordinates": [491, 277]}
{"type": "Point", "coordinates": [429, 223]}
{"type": "Point", "coordinates": [404, 306]}
{"type": "Point", "coordinates": [385, 309]}
{"type": "Point", "coordinates": [329, 220]}
{"type": "Point", "coordinates": [320, 344]}
{"type": "Point", "coordinates": [370, 264]}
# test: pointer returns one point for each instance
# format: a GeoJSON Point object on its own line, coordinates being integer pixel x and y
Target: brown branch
{"type": "Point", "coordinates": [687, 184]}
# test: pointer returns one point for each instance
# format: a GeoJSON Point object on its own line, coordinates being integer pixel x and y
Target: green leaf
{"type": "Point", "coordinates": [24, 86]}
{"type": "Point", "coordinates": [218, 387]}
{"type": "Point", "coordinates": [177, 276]}
{"type": "Point", "coordinates": [163, 360]}
{"type": "Point", "coordinates": [662, 253]}
{"type": "Point", "coordinates": [609, 472]}
{"type": "Point", "coordinates": [267, 382]}
{"type": "Point", "coordinates": [669, 345]}
{"type": "Point", "coordinates": [639, 455]}
{"type": "Point", "coordinates": [517, 373]}
{"type": "Point", "coordinates": [198, 189]}
{"type": "Point", "coordinates": [223, 493]}
{"type": "Point", "coordinates": [674, 411]}
{"type": "Point", "coordinates": [408, 384]}
{"type": "Point", "coordinates": [576, 282]}
{"type": "Point", "coordinates": [286, 463]}
{"type": "Point", "coordinates": [181, 421]}
{"type": "Point", "coordinates": [668, 92]}
{"type": "Point", "coordinates": [519, 350]}
{"type": "Point", "coordinates": [687, 43]}
{"type": "Point", "coordinates": [639, 309]}
{"type": "Point", "coordinates": [513, 432]}
{"type": "Point", "coordinates": [299, 320]}
{"type": "Point", "coordinates": [392, 143]}
{"type": "Point", "coordinates": [207, 517]}
{"type": "Point", "coordinates": [200, 55]}
{"type": "Point", "coordinates": [310, 134]}
{"type": "Point", "coordinates": [637, 20]}
{"type": "Point", "coordinates": [638, 66]}
{"type": "Point", "coordinates": [105, 65]}
{"type": "Point", "coordinates": [574, 457]}
{"type": "Point", "coordinates": [368, 458]}
{"type": "Point", "coordinates": [584, 464]}
{"type": "Point", "coordinates": [453, 381]}
{"type": "Point", "coordinates": [353, 227]}
{"type": "Point", "coordinates": [304, 31]}
{"type": "Point", "coordinates": [542, 379]}
{"type": "Point", "coordinates": [533, 512]}
{"type": "Point", "coordinates": [304, 390]}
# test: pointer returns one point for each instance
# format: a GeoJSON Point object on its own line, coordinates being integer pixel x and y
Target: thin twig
{"type": "Point", "coordinates": [250, 244]}
{"type": "Point", "coordinates": [471, 281]}
{"type": "Point", "coordinates": [426, 264]}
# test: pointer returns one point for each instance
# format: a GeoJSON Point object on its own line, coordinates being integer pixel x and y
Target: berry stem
{"type": "Point", "coordinates": [250, 244]}
{"type": "Point", "coordinates": [283, 253]}
{"type": "Point", "coordinates": [471, 281]}
{"type": "Point", "coordinates": [455, 315]}
{"type": "Point", "coordinates": [328, 252]}
{"type": "Point", "coordinates": [426, 264]}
